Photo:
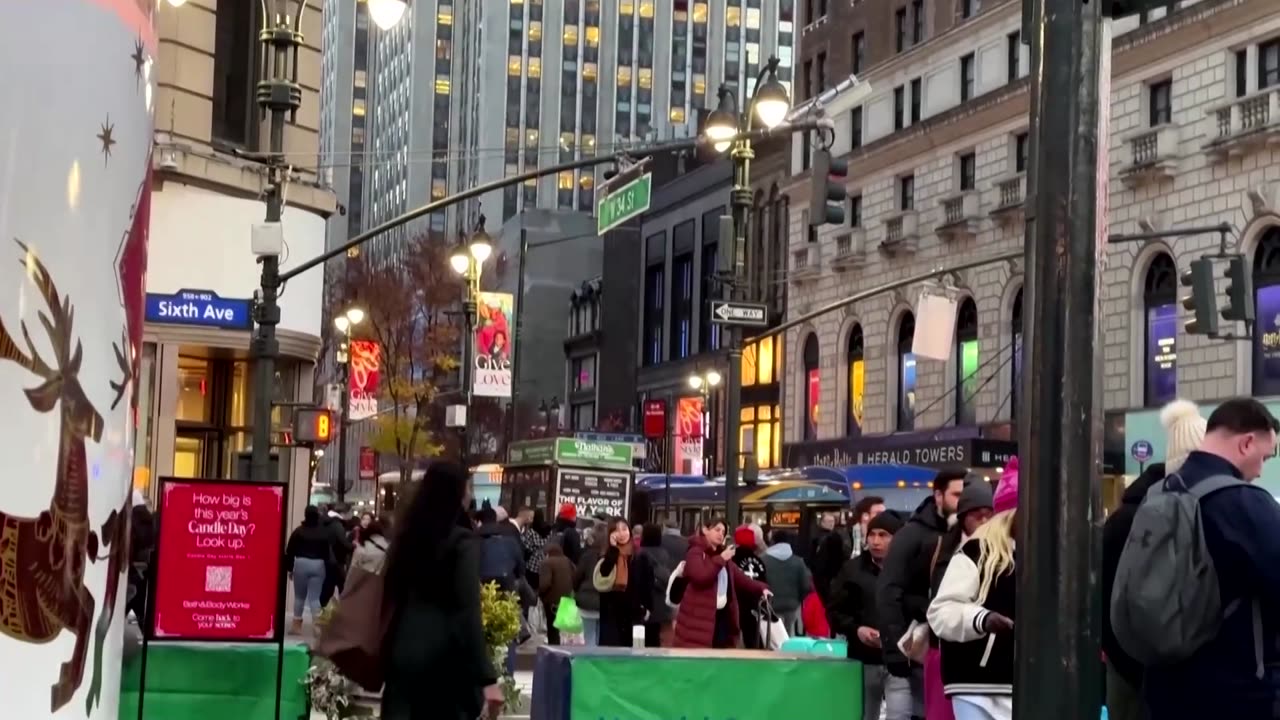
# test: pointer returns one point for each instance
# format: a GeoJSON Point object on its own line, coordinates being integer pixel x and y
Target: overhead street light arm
{"type": "Point", "coordinates": [477, 191]}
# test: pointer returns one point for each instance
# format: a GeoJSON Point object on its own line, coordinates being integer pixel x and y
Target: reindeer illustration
{"type": "Point", "coordinates": [42, 559]}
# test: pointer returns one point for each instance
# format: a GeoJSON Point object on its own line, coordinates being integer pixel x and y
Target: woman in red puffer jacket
{"type": "Point", "coordinates": [708, 613]}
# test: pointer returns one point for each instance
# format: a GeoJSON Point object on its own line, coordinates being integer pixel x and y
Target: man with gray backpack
{"type": "Point", "coordinates": [1196, 596]}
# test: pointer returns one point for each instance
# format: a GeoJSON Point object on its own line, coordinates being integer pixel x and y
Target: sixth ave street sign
{"type": "Point", "coordinates": [725, 312]}
{"type": "Point", "coordinates": [623, 203]}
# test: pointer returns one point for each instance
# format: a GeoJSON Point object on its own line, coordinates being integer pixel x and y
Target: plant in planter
{"type": "Point", "coordinates": [330, 692]}
{"type": "Point", "coordinates": [500, 616]}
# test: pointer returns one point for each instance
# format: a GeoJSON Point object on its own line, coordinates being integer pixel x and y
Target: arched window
{"type": "Point", "coordinates": [906, 374]}
{"type": "Point", "coordinates": [812, 387]}
{"type": "Point", "coordinates": [1160, 311]}
{"type": "Point", "coordinates": [857, 366]}
{"type": "Point", "coordinates": [1015, 330]}
{"type": "Point", "coordinates": [967, 363]}
{"type": "Point", "coordinates": [1266, 335]}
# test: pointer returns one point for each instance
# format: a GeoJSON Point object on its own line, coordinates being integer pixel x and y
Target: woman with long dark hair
{"type": "Point", "coordinates": [437, 664]}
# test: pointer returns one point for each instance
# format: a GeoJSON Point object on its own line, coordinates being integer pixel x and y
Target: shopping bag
{"type": "Point", "coordinates": [773, 633]}
{"type": "Point", "coordinates": [676, 584]}
{"type": "Point", "coordinates": [352, 640]}
{"type": "Point", "coordinates": [568, 619]}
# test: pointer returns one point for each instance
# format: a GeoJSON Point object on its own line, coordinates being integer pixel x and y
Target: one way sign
{"type": "Point", "coordinates": [726, 312]}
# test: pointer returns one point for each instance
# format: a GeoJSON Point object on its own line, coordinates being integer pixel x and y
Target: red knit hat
{"type": "Point", "coordinates": [568, 512]}
{"type": "Point", "coordinates": [744, 536]}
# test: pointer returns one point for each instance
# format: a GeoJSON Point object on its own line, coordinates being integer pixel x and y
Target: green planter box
{"type": "Point", "coordinates": [196, 681]}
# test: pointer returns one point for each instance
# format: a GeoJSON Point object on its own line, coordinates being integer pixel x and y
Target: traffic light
{"type": "Point", "coordinates": [827, 193]}
{"type": "Point", "coordinates": [313, 426]}
{"type": "Point", "coordinates": [1239, 292]}
{"type": "Point", "coordinates": [1203, 300]}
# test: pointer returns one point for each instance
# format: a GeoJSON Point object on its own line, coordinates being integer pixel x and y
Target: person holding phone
{"type": "Point", "coordinates": [708, 612]}
{"type": "Point", "coordinates": [625, 586]}
{"type": "Point", "coordinates": [973, 613]}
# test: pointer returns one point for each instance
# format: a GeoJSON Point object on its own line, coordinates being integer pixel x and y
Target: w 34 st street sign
{"type": "Point", "coordinates": [728, 312]}
{"type": "Point", "coordinates": [623, 203]}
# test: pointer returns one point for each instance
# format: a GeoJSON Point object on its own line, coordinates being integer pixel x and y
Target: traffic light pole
{"type": "Point", "coordinates": [1059, 512]}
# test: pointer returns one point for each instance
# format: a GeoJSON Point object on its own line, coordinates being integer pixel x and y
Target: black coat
{"type": "Point", "coordinates": [853, 605]}
{"type": "Point", "coordinates": [621, 610]}
{"type": "Point", "coordinates": [1115, 532]}
{"type": "Point", "coordinates": [436, 661]}
{"type": "Point", "coordinates": [903, 593]}
{"type": "Point", "coordinates": [566, 531]}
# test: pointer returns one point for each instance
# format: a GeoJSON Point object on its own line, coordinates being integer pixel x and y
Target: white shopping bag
{"type": "Point", "coordinates": [637, 636]}
{"type": "Point", "coordinates": [773, 632]}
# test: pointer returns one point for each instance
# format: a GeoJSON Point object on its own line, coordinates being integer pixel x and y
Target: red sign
{"type": "Point", "coordinates": [368, 463]}
{"type": "Point", "coordinates": [655, 419]}
{"type": "Point", "coordinates": [689, 418]}
{"type": "Point", "coordinates": [218, 566]}
{"type": "Point", "coordinates": [366, 368]}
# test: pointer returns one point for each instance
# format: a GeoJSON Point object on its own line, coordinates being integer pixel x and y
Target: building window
{"type": "Point", "coordinates": [1266, 336]}
{"type": "Point", "coordinates": [967, 345]}
{"type": "Point", "coordinates": [856, 362]}
{"type": "Point", "coordinates": [1013, 46]}
{"type": "Point", "coordinates": [967, 77]}
{"type": "Point", "coordinates": [855, 211]}
{"type": "Point", "coordinates": [761, 432]}
{"type": "Point", "coordinates": [899, 106]}
{"type": "Point", "coordinates": [917, 99]}
{"type": "Point", "coordinates": [917, 22]}
{"type": "Point", "coordinates": [654, 288]}
{"type": "Point", "coordinates": [906, 416]}
{"type": "Point", "coordinates": [762, 362]}
{"type": "Point", "coordinates": [1015, 332]}
{"type": "Point", "coordinates": [235, 73]}
{"type": "Point", "coordinates": [967, 8]}
{"type": "Point", "coordinates": [1268, 64]}
{"type": "Point", "coordinates": [1160, 354]}
{"type": "Point", "coordinates": [1242, 72]}
{"type": "Point", "coordinates": [907, 193]}
{"type": "Point", "coordinates": [582, 373]}
{"type": "Point", "coordinates": [212, 419]}
{"type": "Point", "coordinates": [855, 128]}
{"type": "Point", "coordinates": [1021, 146]}
{"type": "Point", "coordinates": [709, 338]}
{"type": "Point", "coordinates": [822, 72]}
{"type": "Point", "coordinates": [812, 387]}
{"type": "Point", "coordinates": [583, 416]}
{"type": "Point", "coordinates": [1160, 101]}
{"type": "Point", "coordinates": [900, 29]}
{"type": "Point", "coordinates": [859, 52]}
{"type": "Point", "coordinates": [682, 290]}
{"type": "Point", "coordinates": [808, 79]}
{"type": "Point", "coordinates": [968, 172]}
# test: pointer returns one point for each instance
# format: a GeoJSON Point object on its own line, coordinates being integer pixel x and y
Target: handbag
{"type": "Point", "coordinates": [568, 619]}
{"type": "Point", "coordinates": [773, 633]}
{"type": "Point", "coordinates": [352, 640]}
{"type": "Point", "coordinates": [676, 585]}
{"type": "Point", "coordinates": [601, 582]}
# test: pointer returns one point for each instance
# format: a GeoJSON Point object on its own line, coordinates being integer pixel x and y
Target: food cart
{"type": "Point", "coordinates": [595, 476]}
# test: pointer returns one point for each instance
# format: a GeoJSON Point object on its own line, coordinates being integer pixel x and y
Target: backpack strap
{"type": "Point", "coordinates": [1213, 484]}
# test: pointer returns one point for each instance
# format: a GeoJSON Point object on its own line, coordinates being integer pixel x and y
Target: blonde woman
{"type": "Point", "coordinates": [973, 613]}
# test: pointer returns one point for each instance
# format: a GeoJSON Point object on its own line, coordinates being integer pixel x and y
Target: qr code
{"type": "Point", "coordinates": [217, 579]}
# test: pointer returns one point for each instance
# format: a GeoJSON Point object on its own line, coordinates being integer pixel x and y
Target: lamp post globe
{"type": "Point", "coordinates": [481, 247]}
{"type": "Point", "coordinates": [386, 14]}
{"type": "Point", "coordinates": [722, 123]}
{"type": "Point", "coordinates": [355, 315]}
{"type": "Point", "coordinates": [460, 260]}
{"type": "Point", "coordinates": [695, 382]}
{"type": "Point", "coordinates": [772, 103]}
{"type": "Point", "coordinates": [342, 323]}
{"type": "Point", "coordinates": [713, 378]}
{"type": "Point", "coordinates": [177, 3]}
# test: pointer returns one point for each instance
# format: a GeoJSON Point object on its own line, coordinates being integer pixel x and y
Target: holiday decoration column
{"type": "Point", "coordinates": [75, 146]}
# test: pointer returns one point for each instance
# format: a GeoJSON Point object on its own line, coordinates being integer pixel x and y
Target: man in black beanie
{"type": "Point", "coordinates": [852, 613]}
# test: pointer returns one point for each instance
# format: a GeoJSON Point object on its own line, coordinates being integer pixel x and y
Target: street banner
{"type": "Point", "coordinates": [368, 463]}
{"type": "Point", "coordinates": [218, 561]}
{"type": "Point", "coordinates": [494, 345]}
{"type": "Point", "coordinates": [655, 419]}
{"type": "Point", "coordinates": [935, 326]}
{"type": "Point", "coordinates": [365, 372]}
{"type": "Point", "coordinates": [689, 433]}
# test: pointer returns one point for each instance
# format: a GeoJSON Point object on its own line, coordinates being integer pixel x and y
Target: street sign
{"type": "Point", "coordinates": [1142, 451]}
{"type": "Point", "coordinates": [727, 312]}
{"type": "Point", "coordinates": [623, 203]}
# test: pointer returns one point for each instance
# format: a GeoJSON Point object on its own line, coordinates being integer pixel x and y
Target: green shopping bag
{"type": "Point", "coordinates": [568, 619]}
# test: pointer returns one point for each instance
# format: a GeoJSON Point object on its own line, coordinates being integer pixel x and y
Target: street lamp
{"type": "Point", "coordinates": [770, 103]}
{"type": "Point", "coordinates": [345, 323]}
{"type": "Point", "coordinates": [468, 261]}
{"type": "Point", "coordinates": [385, 13]}
{"type": "Point", "coordinates": [549, 409]}
{"type": "Point", "coordinates": [706, 384]}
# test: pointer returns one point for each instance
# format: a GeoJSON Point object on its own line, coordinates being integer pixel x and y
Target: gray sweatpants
{"type": "Point", "coordinates": [881, 688]}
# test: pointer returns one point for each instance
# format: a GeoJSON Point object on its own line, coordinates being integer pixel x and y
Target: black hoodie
{"type": "Point", "coordinates": [1114, 534]}
{"type": "Point", "coordinates": [903, 593]}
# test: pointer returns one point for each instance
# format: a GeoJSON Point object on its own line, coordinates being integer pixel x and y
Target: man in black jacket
{"type": "Point", "coordinates": [903, 592]}
{"type": "Point", "coordinates": [853, 613]}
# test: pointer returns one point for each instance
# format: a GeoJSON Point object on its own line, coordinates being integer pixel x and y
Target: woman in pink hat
{"type": "Point", "coordinates": [973, 613]}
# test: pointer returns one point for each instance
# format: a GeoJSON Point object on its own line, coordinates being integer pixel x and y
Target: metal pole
{"type": "Point", "coordinates": [1058, 534]}
{"type": "Point", "coordinates": [345, 414]}
{"type": "Point", "coordinates": [515, 361]}
{"type": "Point", "coordinates": [468, 363]}
{"type": "Point", "coordinates": [740, 198]}
{"type": "Point", "coordinates": [277, 94]}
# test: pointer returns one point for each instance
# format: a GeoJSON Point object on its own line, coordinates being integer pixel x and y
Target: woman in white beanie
{"type": "Point", "coordinates": [1184, 428]}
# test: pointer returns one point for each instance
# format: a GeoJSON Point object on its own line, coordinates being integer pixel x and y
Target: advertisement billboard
{"type": "Point", "coordinates": [494, 345]}
{"type": "Point", "coordinates": [365, 372]}
{"type": "Point", "coordinates": [218, 561]}
{"type": "Point", "coordinates": [688, 435]}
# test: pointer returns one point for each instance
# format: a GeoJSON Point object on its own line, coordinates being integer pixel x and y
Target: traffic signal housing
{"type": "Point", "coordinates": [1203, 300]}
{"type": "Point", "coordinates": [1239, 292]}
{"type": "Point", "coordinates": [827, 194]}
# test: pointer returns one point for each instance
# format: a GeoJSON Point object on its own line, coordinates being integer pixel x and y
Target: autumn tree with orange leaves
{"type": "Point", "coordinates": [411, 311]}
